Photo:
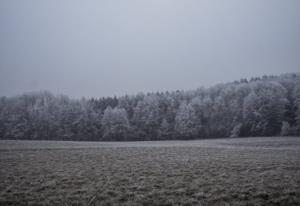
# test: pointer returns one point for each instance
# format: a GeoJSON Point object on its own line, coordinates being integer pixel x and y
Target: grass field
{"type": "Point", "coordinates": [249, 171]}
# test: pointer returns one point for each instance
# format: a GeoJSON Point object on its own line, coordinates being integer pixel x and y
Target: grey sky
{"type": "Point", "coordinates": [112, 47]}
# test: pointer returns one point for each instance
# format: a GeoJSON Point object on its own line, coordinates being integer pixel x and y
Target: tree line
{"type": "Point", "coordinates": [260, 106]}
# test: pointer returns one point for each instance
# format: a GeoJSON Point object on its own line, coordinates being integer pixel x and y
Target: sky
{"type": "Point", "coordinates": [116, 47]}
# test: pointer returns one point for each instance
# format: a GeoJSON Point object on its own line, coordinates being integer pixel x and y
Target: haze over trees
{"type": "Point", "coordinates": [261, 106]}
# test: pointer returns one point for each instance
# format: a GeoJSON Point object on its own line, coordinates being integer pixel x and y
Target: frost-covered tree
{"type": "Point", "coordinates": [146, 117]}
{"type": "Point", "coordinates": [236, 131]}
{"type": "Point", "coordinates": [259, 107]}
{"type": "Point", "coordinates": [296, 97]}
{"type": "Point", "coordinates": [285, 129]}
{"type": "Point", "coordinates": [186, 122]}
{"type": "Point", "coordinates": [197, 109]}
{"type": "Point", "coordinates": [264, 108]}
{"type": "Point", "coordinates": [115, 124]}
{"type": "Point", "coordinates": [165, 131]}
{"type": "Point", "coordinates": [3, 116]}
{"type": "Point", "coordinates": [253, 119]}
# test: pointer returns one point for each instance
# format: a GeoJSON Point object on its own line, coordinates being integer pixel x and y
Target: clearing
{"type": "Point", "coordinates": [241, 171]}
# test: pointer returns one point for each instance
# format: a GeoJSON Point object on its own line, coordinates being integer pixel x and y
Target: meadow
{"type": "Point", "coordinates": [235, 171]}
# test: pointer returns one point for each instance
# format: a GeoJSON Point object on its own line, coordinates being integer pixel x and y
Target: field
{"type": "Point", "coordinates": [242, 171]}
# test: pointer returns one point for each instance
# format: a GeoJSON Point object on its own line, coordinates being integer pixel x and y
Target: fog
{"type": "Point", "coordinates": [106, 48]}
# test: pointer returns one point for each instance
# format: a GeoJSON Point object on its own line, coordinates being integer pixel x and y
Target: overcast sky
{"type": "Point", "coordinates": [115, 47]}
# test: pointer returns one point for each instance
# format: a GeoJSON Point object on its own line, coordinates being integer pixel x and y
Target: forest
{"type": "Point", "coordinates": [259, 106]}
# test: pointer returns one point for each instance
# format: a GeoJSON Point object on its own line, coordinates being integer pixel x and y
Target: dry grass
{"type": "Point", "coordinates": [257, 171]}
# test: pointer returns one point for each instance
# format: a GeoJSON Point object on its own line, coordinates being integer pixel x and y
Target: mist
{"type": "Point", "coordinates": [106, 48]}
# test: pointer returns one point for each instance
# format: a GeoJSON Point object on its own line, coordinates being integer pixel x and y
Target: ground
{"type": "Point", "coordinates": [242, 171]}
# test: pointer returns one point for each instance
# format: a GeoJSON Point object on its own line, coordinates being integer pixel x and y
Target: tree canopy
{"type": "Point", "coordinates": [264, 106]}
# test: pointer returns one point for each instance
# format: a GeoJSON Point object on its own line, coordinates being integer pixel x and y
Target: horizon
{"type": "Point", "coordinates": [150, 92]}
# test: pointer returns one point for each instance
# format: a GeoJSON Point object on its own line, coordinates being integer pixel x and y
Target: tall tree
{"type": "Point", "coordinates": [296, 97]}
{"type": "Point", "coordinates": [264, 108]}
{"type": "Point", "coordinates": [115, 124]}
{"type": "Point", "coordinates": [146, 117]}
{"type": "Point", "coordinates": [186, 122]}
